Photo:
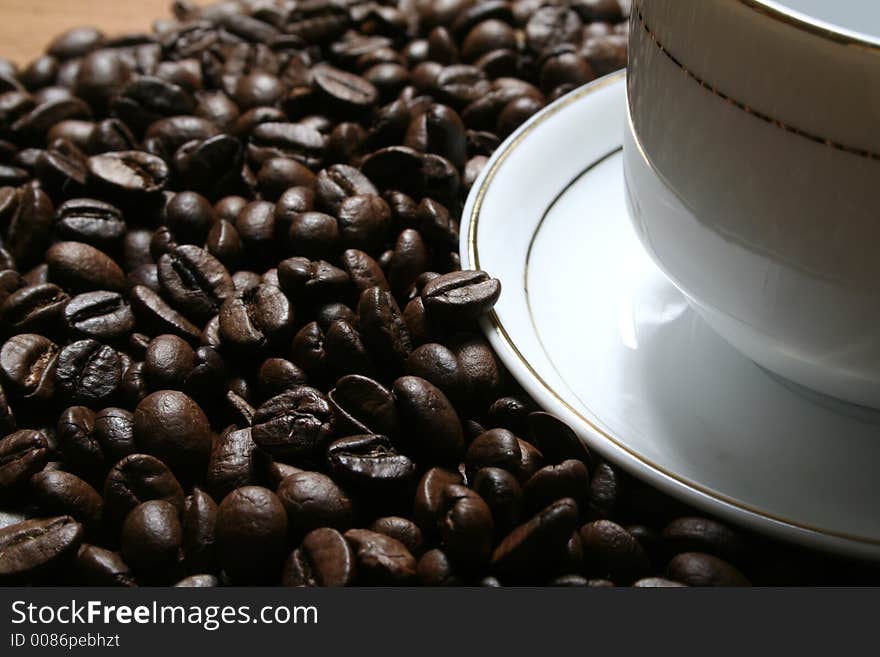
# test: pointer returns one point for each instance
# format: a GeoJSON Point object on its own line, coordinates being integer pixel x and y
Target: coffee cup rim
{"type": "Point", "coordinates": [812, 25]}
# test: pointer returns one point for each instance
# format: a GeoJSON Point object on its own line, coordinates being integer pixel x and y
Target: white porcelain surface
{"type": "Point", "coordinates": [598, 335]}
{"type": "Point", "coordinates": [784, 255]}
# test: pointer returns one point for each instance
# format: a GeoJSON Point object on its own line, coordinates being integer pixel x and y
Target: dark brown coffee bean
{"type": "Point", "coordinates": [232, 463]}
{"type": "Point", "coordinates": [370, 463]}
{"type": "Point", "coordinates": [171, 426]}
{"type": "Point", "coordinates": [605, 491]}
{"type": "Point", "coordinates": [36, 307]}
{"type": "Point", "coordinates": [700, 569]}
{"type": "Point", "coordinates": [530, 548]}
{"type": "Point", "coordinates": [363, 405]}
{"type": "Point", "coordinates": [22, 454]}
{"type": "Point", "coordinates": [364, 220]}
{"type": "Point", "coordinates": [605, 53]}
{"type": "Point", "coordinates": [195, 281]}
{"type": "Point", "coordinates": [429, 498]}
{"type": "Point", "coordinates": [313, 500]}
{"type": "Point", "coordinates": [33, 547]}
{"type": "Point", "coordinates": [324, 558]}
{"type": "Point", "coordinates": [168, 362]}
{"type": "Point", "coordinates": [363, 271]}
{"type": "Point", "coordinates": [135, 479]}
{"type": "Point", "coordinates": [114, 431]}
{"type": "Point", "coordinates": [101, 315]}
{"type": "Point", "coordinates": [28, 235]}
{"type": "Point", "coordinates": [502, 493]}
{"type": "Point", "coordinates": [295, 424]}
{"type": "Point", "coordinates": [555, 439]}
{"type": "Point", "coordinates": [253, 318]}
{"type": "Point", "coordinates": [294, 141]}
{"type": "Point", "coordinates": [383, 328]}
{"type": "Point", "coordinates": [461, 296]}
{"type": "Point", "coordinates": [343, 91]}
{"type": "Point", "coordinates": [250, 535]}
{"type": "Point", "coordinates": [567, 479]}
{"type": "Point", "coordinates": [152, 537]}
{"type": "Point", "coordinates": [466, 526]}
{"type": "Point", "coordinates": [129, 173]}
{"type": "Point", "coordinates": [429, 419]}
{"type": "Point", "coordinates": [224, 243]}
{"type": "Point", "coordinates": [438, 364]}
{"type": "Point", "coordinates": [199, 525]}
{"type": "Point", "coordinates": [79, 267]}
{"type": "Point", "coordinates": [409, 259]}
{"type": "Point", "coordinates": [436, 569]}
{"type": "Point", "coordinates": [63, 493]}
{"type": "Point", "coordinates": [277, 375]}
{"type": "Point", "coordinates": [495, 448]}
{"type": "Point", "coordinates": [158, 316]}
{"type": "Point", "coordinates": [97, 566]}
{"type": "Point", "coordinates": [550, 26]}
{"type": "Point", "coordinates": [311, 280]}
{"type": "Point", "coordinates": [694, 534]}
{"type": "Point", "coordinates": [402, 529]}
{"type": "Point", "coordinates": [338, 182]}
{"type": "Point", "coordinates": [88, 372]}
{"type": "Point", "coordinates": [28, 362]}
{"type": "Point", "coordinates": [611, 551]}
{"type": "Point", "coordinates": [381, 560]}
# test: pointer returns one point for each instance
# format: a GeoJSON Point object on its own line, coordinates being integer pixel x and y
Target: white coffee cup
{"type": "Point", "coordinates": [753, 173]}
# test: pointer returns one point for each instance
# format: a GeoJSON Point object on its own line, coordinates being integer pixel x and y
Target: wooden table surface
{"type": "Point", "coordinates": [26, 26]}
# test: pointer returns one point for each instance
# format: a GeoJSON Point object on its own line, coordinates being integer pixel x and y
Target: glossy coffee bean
{"type": "Point", "coordinates": [253, 318]}
{"type": "Point", "coordinates": [152, 537]}
{"type": "Point", "coordinates": [313, 500]}
{"type": "Point", "coordinates": [171, 426]}
{"type": "Point", "coordinates": [88, 373]}
{"type": "Point", "coordinates": [128, 174]}
{"type": "Point", "coordinates": [324, 558]}
{"type": "Point", "coordinates": [461, 296]}
{"type": "Point", "coordinates": [466, 526]}
{"type": "Point", "coordinates": [22, 454]}
{"type": "Point", "coordinates": [402, 529]}
{"type": "Point", "coordinates": [35, 307]}
{"type": "Point", "coordinates": [28, 363]}
{"type": "Point", "coordinates": [429, 419]}
{"type": "Point", "coordinates": [611, 551]}
{"type": "Point", "coordinates": [101, 315]}
{"type": "Point", "coordinates": [34, 547]}
{"type": "Point", "coordinates": [567, 479]}
{"type": "Point", "coordinates": [250, 535]}
{"type": "Point", "coordinates": [194, 281]}
{"type": "Point", "coordinates": [199, 527]}
{"type": "Point", "coordinates": [135, 479]}
{"type": "Point", "coordinates": [370, 463]}
{"type": "Point", "coordinates": [156, 315]}
{"type": "Point", "coordinates": [363, 405]}
{"type": "Point", "coordinates": [97, 566]}
{"type": "Point", "coordinates": [383, 328]}
{"type": "Point", "coordinates": [701, 569]}
{"type": "Point", "coordinates": [502, 493]}
{"type": "Point", "coordinates": [695, 534]}
{"type": "Point", "coordinates": [90, 221]}
{"type": "Point", "coordinates": [168, 362]}
{"type": "Point", "coordinates": [62, 493]}
{"type": "Point", "coordinates": [381, 559]}
{"type": "Point", "coordinates": [297, 424]}
{"type": "Point", "coordinates": [436, 569]}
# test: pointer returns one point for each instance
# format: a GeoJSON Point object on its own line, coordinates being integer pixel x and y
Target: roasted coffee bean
{"type": "Point", "coordinates": [555, 439]}
{"type": "Point", "coordinates": [567, 479]}
{"type": "Point", "coordinates": [295, 424]}
{"type": "Point", "coordinates": [250, 535]}
{"type": "Point", "coordinates": [466, 526]}
{"type": "Point", "coordinates": [88, 372]}
{"type": "Point", "coordinates": [277, 375]}
{"type": "Point", "coordinates": [279, 174]}
{"type": "Point", "coordinates": [101, 315]}
{"type": "Point", "coordinates": [363, 405]}
{"type": "Point", "coordinates": [62, 493]}
{"type": "Point", "coordinates": [363, 271]}
{"type": "Point", "coordinates": [409, 259]}
{"type": "Point", "coordinates": [437, 364]}
{"type": "Point", "coordinates": [224, 243]}
{"type": "Point", "coordinates": [436, 569]}
{"type": "Point", "coordinates": [312, 500]}
{"type": "Point", "coordinates": [497, 448]}
{"type": "Point", "coordinates": [370, 463]}
{"type": "Point", "coordinates": [324, 558]}
{"type": "Point", "coordinates": [383, 328]}
{"type": "Point", "coordinates": [605, 491]}
{"type": "Point", "coordinates": [114, 431]}
{"type": "Point", "coordinates": [35, 308]}
{"type": "Point", "coordinates": [138, 478]}
{"type": "Point", "coordinates": [605, 53]}
{"type": "Point", "coordinates": [694, 534]}
{"type": "Point", "coordinates": [7, 416]}
{"type": "Point", "coordinates": [168, 362]}
{"type": "Point", "coordinates": [83, 451]}
{"type": "Point", "coordinates": [294, 141]}
{"type": "Point", "coordinates": [345, 350]}
{"type": "Point", "coordinates": [22, 454]}
{"type": "Point", "coordinates": [28, 235]}
{"type": "Point", "coordinates": [364, 220]}
{"type": "Point", "coordinates": [313, 234]}
{"type": "Point", "coordinates": [343, 91]}
{"type": "Point", "coordinates": [461, 296]}
{"type": "Point", "coordinates": [232, 463]}
{"type": "Point", "coordinates": [611, 551]}
{"type": "Point", "coordinates": [199, 526]}
{"type": "Point", "coordinates": [194, 281]}
{"type": "Point", "coordinates": [701, 569]}
{"type": "Point", "coordinates": [402, 529]}
{"type": "Point", "coordinates": [253, 318]}
{"type": "Point", "coordinates": [429, 498]}
{"type": "Point", "coordinates": [307, 280]}
{"type": "Point", "coordinates": [198, 582]}
{"type": "Point", "coordinates": [152, 538]}
{"type": "Point", "coordinates": [128, 174]}
{"type": "Point", "coordinates": [503, 494]}
{"type": "Point", "coordinates": [532, 546]}
{"type": "Point", "coordinates": [429, 419]}
{"type": "Point", "coordinates": [33, 547]}
{"type": "Point", "coordinates": [338, 182]}
{"type": "Point", "coordinates": [28, 363]}
{"type": "Point", "coordinates": [380, 559]}
{"type": "Point", "coordinates": [158, 316]}
{"type": "Point", "coordinates": [171, 426]}
{"type": "Point", "coordinates": [97, 566]}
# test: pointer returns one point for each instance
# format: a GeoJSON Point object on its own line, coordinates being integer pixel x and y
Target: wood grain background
{"type": "Point", "coordinates": [26, 26]}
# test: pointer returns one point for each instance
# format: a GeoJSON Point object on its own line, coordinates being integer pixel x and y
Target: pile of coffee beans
{"type": "Point", "coordinates": [237, 346]}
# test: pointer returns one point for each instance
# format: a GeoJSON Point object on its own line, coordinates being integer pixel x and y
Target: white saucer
{"type": "Point", "coordinates": [591, 328]}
